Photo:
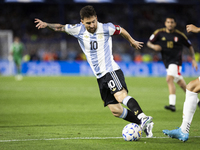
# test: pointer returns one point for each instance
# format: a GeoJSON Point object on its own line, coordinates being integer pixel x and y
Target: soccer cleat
{"type": "Point", "coordinates": [177, 133]}
{"type": "Point", "coordinates": [148, 130]}
{"type": "Point", "coordinates": [145, 121]}
{"type": "Point", "coordinates": [171, 107]}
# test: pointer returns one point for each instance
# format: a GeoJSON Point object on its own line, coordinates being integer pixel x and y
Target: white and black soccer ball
{"type": "Point", "coordinates": [132, 132]}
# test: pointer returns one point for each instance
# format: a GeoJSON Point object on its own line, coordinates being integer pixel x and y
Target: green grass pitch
{"type": "Point", "coordinates": [67, 113]}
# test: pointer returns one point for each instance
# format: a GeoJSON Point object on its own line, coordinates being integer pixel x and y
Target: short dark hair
{"type": "Point", "coordinates": [87, 12]}
{"type": "Point", "coordinates": [171, 17]}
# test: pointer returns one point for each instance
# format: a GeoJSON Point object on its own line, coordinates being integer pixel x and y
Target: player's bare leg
{"type": "Point", "coordinates": [135, 113]}
{"type": "Point", "coordinates": [119, 96]}
{"type": "Point", "coordinates": [172, 93]}
{"type": "Point", "coordinates": [194, 86]}
{"type": "Point", "coordinates": [18, 76]}
{"type": "Point", "coordinates": [182, 84]}
{"type": "Point", "coordinates": [189, 108]}
{"type": "Point", "coordinates": [121, 112]}
{"type": "Point", "coordinates": [171, 85]}
{"type": "Point", "coordinates": [116, 109]}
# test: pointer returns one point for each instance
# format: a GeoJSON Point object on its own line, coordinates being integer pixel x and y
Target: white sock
{"type": "Point", "coordinates": [141, 115]}
{"type": "Point", "coordinates": [172, 99]}
{"type": "Point", "coordinates": [189, 109]}
{"type": "Point", "coordinates": [124, 113]}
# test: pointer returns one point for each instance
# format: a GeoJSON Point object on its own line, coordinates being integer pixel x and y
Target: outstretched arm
{"type": "Point", "coordinates": [194, 63]}
{"type": "Point", "coordinates": [192, 28]}
{"type": "Point", "coordinates": [55, 27]}
{"type": "Point", "coordinates": [155, 47]}
{"type": "Point", "coordinates": [137, 45]}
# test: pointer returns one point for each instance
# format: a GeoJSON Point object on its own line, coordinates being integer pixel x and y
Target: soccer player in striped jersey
{"type": "Point", "coordinates": [95, 40]}
{"type": "Point", "coordinates": [170, 41]}
{"type": "Point", "coordinates": [190, 104]}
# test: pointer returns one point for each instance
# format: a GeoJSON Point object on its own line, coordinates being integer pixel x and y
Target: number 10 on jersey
{"type": "Point", "coordinates": [93, 45]}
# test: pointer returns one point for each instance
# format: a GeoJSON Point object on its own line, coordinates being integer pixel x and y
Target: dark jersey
{"type": "Point", "coordinates": [172, 45]}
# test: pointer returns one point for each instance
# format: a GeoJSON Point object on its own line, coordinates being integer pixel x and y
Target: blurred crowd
{"type": "Point", "coordinates": [140, 20]}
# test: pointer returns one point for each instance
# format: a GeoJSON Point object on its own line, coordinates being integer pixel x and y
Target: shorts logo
{"type": "Point", "coordinates": [114, 89]}
{"type": "Point", "coordinates": [136, 112]}
{"type": "Point", "coordinates": [111, 85]}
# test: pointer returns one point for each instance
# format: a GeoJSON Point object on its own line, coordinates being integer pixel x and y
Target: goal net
{"type": "Point", "coordinates": [6, 39]}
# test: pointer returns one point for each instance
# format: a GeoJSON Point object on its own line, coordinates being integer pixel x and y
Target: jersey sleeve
{"type": "Point", "coordinates": [186, 41]}
{"type": "Point", "coordinates": [72, 29]}
{"type": "Point", "coordinates": [114, 29]}
{"type": "Point", "coordinates": [154, 37]}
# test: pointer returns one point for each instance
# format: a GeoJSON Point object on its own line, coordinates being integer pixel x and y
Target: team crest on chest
{"type": "Point", "coordinates": [100, 36]}
{"type": "Point", "coordinates": [175, 39]}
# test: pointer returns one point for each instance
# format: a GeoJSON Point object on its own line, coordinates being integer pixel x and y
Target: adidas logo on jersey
{"type": "Point", "coordinates": [86, 36]}
{"type": "Point", "coordinates": [163, 38]}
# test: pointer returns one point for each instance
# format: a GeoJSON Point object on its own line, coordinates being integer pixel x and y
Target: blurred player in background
{"type": "Point", "coordinates": [95, 40]}
{"type": "Point", "coordinates": [190, 104]}
{"type": "Point", "coordinates": [16, 52]}
{"type": "Point", "coordinates": [169, 41]}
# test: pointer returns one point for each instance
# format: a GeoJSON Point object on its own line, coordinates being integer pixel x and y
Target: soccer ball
{"type": "Point", "coordinates": [132, 132]}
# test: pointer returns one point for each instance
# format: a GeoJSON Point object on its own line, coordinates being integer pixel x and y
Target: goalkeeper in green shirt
{"type": "Point", "coordinates": [17, 53]}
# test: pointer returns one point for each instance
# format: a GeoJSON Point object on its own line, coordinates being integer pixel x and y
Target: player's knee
{"type": "Point", "coordinates": [190, 86]}
{"type": "Point", "coordinates": [116, 109]}
{"type": "Point", "coordinates": [119, 96]}
{"type": "Point", "coordinates": [194, 86]}
{"type": "Point", "coordinates": [116, 114]}
{"type": "Point", "coordinates": [169, 79]}
{"type": "Point", "coordinates": [182, 84]}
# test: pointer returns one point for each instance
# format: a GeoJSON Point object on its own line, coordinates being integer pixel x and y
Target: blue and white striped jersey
{"type": "Point", "coordinates": [97, 47]}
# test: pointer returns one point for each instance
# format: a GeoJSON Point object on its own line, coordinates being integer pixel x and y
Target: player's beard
{"type": "Point", "coordinates": [170, 29]}
{"type": "Point", "coordinates": [92, 30]}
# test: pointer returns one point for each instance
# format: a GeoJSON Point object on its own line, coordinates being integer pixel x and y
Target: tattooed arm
{"type": "Point", "coordinates": [55, 27]}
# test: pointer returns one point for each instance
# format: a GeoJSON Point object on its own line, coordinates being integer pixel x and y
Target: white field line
{"type": "Point", "coordinates": [77, 138]}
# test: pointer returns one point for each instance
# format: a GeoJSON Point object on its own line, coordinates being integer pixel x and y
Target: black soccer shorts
{"type": "Point", "coordinates": [109, 84]}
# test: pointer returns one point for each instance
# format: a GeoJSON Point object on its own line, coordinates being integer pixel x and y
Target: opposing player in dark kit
{"type": "Point", "coordinates": [170, 41]}
{"type": "Point", "coordinates": [190, 104]}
